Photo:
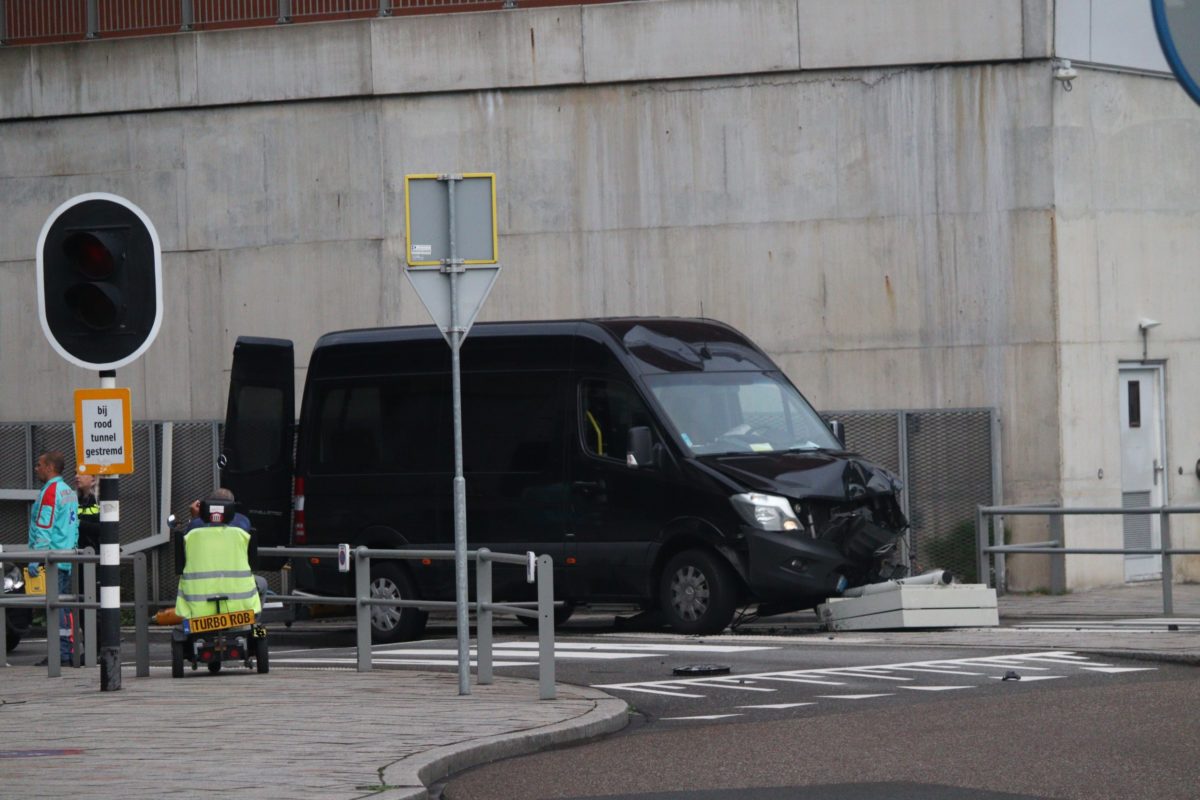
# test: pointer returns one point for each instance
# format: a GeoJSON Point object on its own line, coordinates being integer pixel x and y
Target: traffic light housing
{"type": "Point", "coordinates": [99, 269]}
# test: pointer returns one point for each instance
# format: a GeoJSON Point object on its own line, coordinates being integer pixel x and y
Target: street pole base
{"type": "Point", "coordinates": [110, 669]}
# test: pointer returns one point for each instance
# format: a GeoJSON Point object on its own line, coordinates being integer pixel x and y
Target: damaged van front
{"type": "Point", "coordinates": [812, 518]}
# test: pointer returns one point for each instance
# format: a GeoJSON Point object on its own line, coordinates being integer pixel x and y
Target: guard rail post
{"type": "Point", "coordinates": [483, 616]}
{"type": "Point", "coordinates": [50, 573]}
{"type": "Point", "coordinates": [141, 619]}
{"type": "Point", "coordinates": [1058, 561]}
{"type": "Point", "coordinates": [545, 592]}
{"type": "Point", "coordinates": [362, 611]}
{"type": "Point", "coordinates": [3, 611]}
{"type": "Point", "coordinates": [1168, 573]}
{"type": "Point", "coordinates": [89, 614]}
{"type": "Point", "coordinates": [981, 542]}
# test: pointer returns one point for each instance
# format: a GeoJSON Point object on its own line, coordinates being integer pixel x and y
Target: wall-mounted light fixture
{"type": "Point", "coordinates": [1144, 326]}
{"type": "Point", "coordinates": [1064, 73]}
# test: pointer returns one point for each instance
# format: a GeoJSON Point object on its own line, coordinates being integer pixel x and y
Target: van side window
{"type": "Point", "coordinates": [382, 425]}
{"type": "Point", "coordinates": [607, 410]}
{"type": "Point", "coordinates": [258, 437]}
{"type": "Point", "coordinates": [512, 422]}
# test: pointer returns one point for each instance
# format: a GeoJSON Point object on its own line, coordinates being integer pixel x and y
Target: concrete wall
{"type": "Point", "coordinates": [889, 195]}
{"type": "Point", "coordinates": [1128, 229]}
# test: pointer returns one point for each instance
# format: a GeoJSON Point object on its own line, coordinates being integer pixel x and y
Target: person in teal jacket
{"type": "Point", "coordinates": [54, 525]}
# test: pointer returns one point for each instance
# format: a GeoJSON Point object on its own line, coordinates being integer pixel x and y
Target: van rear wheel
{"type": "Point", "coordinates": [389, 581]}
{"type": "Point", "coordinates": [697, 593]}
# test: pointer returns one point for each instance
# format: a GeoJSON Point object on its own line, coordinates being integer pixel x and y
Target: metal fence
{"type": "Point", "coordinates": [43, 21]}
{"type": "Point", "coordinates": [946, 458]}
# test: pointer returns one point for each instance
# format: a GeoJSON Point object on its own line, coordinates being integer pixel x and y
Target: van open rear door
{"type": "Point", "coordinates": [256, 458]}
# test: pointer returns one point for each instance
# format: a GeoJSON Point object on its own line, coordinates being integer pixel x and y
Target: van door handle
{"type": "Point", "coordinates": [588, 487]}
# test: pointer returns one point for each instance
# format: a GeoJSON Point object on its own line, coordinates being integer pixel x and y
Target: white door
{"type": "Point", "coordinates": [1143, 471]}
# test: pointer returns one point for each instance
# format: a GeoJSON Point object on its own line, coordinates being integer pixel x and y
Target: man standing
{"type": "Point", "coordinates": [54, 525]}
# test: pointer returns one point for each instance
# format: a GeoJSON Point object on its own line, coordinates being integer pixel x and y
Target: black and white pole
{"type": "Point", "coordinates": [110, 570]}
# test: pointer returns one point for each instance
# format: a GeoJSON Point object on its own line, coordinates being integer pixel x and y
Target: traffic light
{"type": "Point", "coordinates": [99, 271]}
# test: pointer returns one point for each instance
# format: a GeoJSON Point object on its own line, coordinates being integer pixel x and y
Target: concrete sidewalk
{"type": "Point", "coordinates": [333, 735]}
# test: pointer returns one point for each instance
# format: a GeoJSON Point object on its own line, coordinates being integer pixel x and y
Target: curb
{"type": "Point", "coordinates": [410, 778]}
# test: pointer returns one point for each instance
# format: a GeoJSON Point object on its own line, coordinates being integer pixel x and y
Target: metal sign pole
{"type": "Point", "coordinates": [454, 267]}
{"type": "Point", "coordinates": [109, 499]}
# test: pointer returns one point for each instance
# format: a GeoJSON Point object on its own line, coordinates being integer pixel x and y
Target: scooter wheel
{"type": "Point", "coordinates": [176, 659]}
{"type": "Point", "coordinates": [261, 657]}
{"type": "Point", "coordinates": [214, 667]}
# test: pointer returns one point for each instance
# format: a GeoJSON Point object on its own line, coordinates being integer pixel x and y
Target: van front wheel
{"type": "Point", "coordinates": [389, 624]}
{"type": "Point", "coordinates": [697, 593]}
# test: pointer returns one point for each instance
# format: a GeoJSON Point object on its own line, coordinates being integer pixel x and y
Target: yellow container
{"type": "Point", "coordinates": [35, 585]}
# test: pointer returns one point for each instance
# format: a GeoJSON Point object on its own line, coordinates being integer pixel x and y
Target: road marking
{"type": "Point", "coordinates": [703, 716]}
{"type": "Point", "coordinates": [1114, 670]}
{"type": "Point", "coordinates": [780, 705]}
{"type": "Point", "coordinates": [1028, 678]}
{"type": "Point", "coordinates": [411, 662]}
{"type": "Point", "coordinates": [852, 696]}
{"type": "Point", "coordinates": [935, 688]}
{"type": "Point", "coordinates": [507, 652]}
{"type": "Point", "coordinates": [1023, 662]}
{"type": "Point", "coordinates": [790, 679]}
{"type": "Point", "coordinates": [657, 691]}
{"type": "Point", "coordinates": [637, 646]}
{"type": "Point", "coordinates": [717, 684]}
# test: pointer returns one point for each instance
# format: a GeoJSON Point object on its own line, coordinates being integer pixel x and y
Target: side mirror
{"type": "Point", "coordinates": [839, 431]}
{"type": "Point", "coordinates": [641, 448]}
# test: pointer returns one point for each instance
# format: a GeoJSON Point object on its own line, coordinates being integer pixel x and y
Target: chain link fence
{"type": "Point", "coordinates": [945, 458]}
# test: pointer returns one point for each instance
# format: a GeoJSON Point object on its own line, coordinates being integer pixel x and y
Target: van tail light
{"type": "Point", "coordinates": [299, 534]}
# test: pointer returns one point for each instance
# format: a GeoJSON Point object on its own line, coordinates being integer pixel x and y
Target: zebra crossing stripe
{"type": "Point", "coordinates": [851, 696]}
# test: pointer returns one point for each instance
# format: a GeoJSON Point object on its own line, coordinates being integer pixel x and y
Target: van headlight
{"type": "Point", "coordinates": [766, 512]}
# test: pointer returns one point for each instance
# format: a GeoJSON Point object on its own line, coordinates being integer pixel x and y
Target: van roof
{"type": "Point", "coordinates": [658, 344]}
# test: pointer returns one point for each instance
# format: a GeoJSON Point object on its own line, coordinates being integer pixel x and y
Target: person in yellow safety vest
{"type": "Point", "coordinates": [216, 563]}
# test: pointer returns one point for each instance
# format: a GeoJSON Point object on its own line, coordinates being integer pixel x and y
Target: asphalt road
{"type": "Point", "coordinates": [1088, 735]}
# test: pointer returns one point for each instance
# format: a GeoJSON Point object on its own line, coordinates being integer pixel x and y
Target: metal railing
{"type": "Point", "coordinates": [539, 568]}
{"type": "Point", "coordinates": [40, 21]}
{"type": "Point", "coordinates": [992, 554]}
{"type": "Point", "coordinates": [86, 602]}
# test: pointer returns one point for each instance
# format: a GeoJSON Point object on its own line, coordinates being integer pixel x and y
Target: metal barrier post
{"type": "Point", "coordinates": [3, 611]}
{"type": "Point", "coordinates": [89, 614]}
{"type": "Point", "coordinates": [483, 617]}
{"type": "Point", "coordinates": [93, 19]}
{"type": "Point", "coordinates": [1168, 573]}
{"type": "Point", "coordinates": [50, 572]}
{"type": "Point", "coordinates": [1058, 562]}
{"type": "Point", "coordinates": [76, 656]}
{"type": "Point", "coordinates": [981, 541]}
{"type": "Point", "coordinates": [285, 12]}
{"type": "Point", "coordinates": [362, 611]}
{"type": "Point", "coordinates": [385, 8]}
{"type": "Point", "coordinates": [1001, 565]}
{"type": "Point", "coordinates": [188, 18]}
{"type": "Point", "coordinates": [141, 619]}
{"type": "Point", "coordinates": [545, 593]}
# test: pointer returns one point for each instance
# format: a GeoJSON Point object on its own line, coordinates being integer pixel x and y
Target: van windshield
{"type": "Point", "coordinates": [739, 412]}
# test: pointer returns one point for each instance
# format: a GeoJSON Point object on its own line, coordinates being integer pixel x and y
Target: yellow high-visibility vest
{"type": "Point", "coordinates": [216, 564]}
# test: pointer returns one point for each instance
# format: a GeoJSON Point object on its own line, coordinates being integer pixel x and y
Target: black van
{"type": "Point", "coordinates": [666, 463]}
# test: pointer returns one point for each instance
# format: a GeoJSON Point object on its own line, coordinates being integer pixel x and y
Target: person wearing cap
{"type": "Point", "coordinates": [216, 564]}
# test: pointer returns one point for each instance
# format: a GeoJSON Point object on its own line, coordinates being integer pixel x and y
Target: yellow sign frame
{"type": "Point", "coordinates": [121, 397]}
{"type": "Point", "coordinates": [490, 176]}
